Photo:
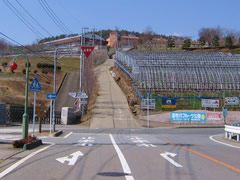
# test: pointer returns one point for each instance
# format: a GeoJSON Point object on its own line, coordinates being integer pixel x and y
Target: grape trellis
{"type": "Point", "coordinates": [180, 71]}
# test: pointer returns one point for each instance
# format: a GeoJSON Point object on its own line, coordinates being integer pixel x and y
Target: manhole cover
{"type": "Point", "coordinates": [112, 174]}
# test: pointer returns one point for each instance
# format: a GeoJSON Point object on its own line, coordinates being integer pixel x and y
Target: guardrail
{"type": "Point", "coordinates": [231, 130]}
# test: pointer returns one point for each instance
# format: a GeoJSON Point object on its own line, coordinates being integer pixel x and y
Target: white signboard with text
{"type": "Point", "coordinates": [231, 101]}
{"type": "Point", "coordinates": [211, 103]}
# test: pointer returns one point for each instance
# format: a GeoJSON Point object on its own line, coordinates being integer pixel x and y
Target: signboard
{"type": "Point", "coordinates": [83, 102]}
{"type": "Point", "coordinates": [211, 103]}
{"type": "Point", "coordinates": [35, 86]}
{"type": "Point", "coordinates": [81, 95]}
{"type": "Point", "coordinates": [169, 103]}
{"type": "Point", "coordinates": [188, 116]}
{"type": "Point", "coordinates": [148, 103]}
{"type": "Point", "coordinates": [213, 116]}
{"type": "Point", "coordinates": [231, 101]}
{"type": "Point", "coordinates": [78, 94]}
{"type": "Point", "coordinates": [51, 96]}
{"type": "Point", "coordinates": [76, 103]}
{"type": "Point", "coordinates": [87, 50]}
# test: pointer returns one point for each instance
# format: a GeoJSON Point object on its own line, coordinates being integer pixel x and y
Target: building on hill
{"type": "Point", "coordinates": [117, 41]}
{"type": "Point", "coordinates": [75, 41]}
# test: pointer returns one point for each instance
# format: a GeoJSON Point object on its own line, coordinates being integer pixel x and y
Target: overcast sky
{"type": "Point", "coordinates": [168, 17]}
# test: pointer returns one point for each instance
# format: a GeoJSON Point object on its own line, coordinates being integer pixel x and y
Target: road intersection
{"type": "Point", "coordinates": [167, 153]}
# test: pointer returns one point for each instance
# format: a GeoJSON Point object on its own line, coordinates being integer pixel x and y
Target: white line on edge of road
{"type": "Point", "coordinates": [8, 170]}
{"type": "Point", "coordinates": [211, 137]}
{"type": "Point", "coordinates": [69, 134]}
{"type": "Point", "coordinates": [123, 161]}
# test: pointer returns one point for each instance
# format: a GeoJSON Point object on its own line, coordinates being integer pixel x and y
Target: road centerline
{"type": "Point", "coordinates": [123, 161]}
{"type": "Point", "coordinates": [203, 155]}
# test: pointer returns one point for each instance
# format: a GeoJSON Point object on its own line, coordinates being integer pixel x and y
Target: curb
{"type": "Point", "coordinates": [200, 126]}
{"type": "Point", "coordinates": [58, 133]}
{"type": "Point", "coordinates": [32, 145]}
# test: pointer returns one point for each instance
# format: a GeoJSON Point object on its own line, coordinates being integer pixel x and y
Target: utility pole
{"type": "Point", "coordinates": [82, 65]}
{"type": "Point", "coordinates": [101, 40]}
{"type": "Point", "coordinates": [93, 37]}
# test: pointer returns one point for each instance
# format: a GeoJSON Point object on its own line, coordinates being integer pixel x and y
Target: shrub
{"type": "Point", "coordinates": [4, 64]}
{"type": "Point", "coordinates": [20, 143]}
{"type": "Point", "coordinates": [45, 65]}
{"type": "Point", "coordinates": [59, 68]}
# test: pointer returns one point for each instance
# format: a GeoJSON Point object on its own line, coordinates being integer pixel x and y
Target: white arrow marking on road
{"type": "Point", "coordinates": [165, 156]}
{"type": "Point", "coordinates": [71, 160]}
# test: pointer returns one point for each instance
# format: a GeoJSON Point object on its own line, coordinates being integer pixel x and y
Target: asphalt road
{"type": "Point", "coordinates": [70, 84]}
{"type": "Point", "coordinates": [140, 154]}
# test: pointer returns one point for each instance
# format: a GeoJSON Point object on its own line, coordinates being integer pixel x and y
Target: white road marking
{"type": "Point", "coordinates": [165, 156]}
{"type": "Point", "coordinates": [86, 141]}
{"type": "Point", "coordinates": [69, 134]}
{"type": "Point", "coordinates": [212, 138]}
{"type": "Point", "coordinates": [72, 160]}
{"type": "Point", "coordinates": [142, 142]}
{"type": "Point", "coordinates": [123, 161]}
{"type": "Point", "coordinates": [11, 168]}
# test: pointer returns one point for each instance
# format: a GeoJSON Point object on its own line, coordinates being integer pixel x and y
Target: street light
{"type": "Point", "coordinates": [14, 66]}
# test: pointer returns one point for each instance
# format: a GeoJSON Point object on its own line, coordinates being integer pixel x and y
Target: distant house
{"type": "Point", "coordinates": [116, 41]}
{"type": "Point", "coordinates": [75, 41]}
{"type": "Point", "coordinates": [159, 40]}
{"type": "Point", "coordinates": [113, 39]}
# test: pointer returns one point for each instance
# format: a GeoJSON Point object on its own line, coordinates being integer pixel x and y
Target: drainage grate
{"type": "Point", "coordinates": [112, 174]}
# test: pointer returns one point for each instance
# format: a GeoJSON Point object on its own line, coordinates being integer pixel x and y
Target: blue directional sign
{"type": "Point", "coordinates": [35, 86]}
{"type": "Point", "coordinates": [51, 96]}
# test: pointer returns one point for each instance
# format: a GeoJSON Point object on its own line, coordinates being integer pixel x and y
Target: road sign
{"type": "Point", "coordinates": [148, 103]}
{"type": "Point", "coordinates": [87, 50]}
{"type": "Point", "coordinates": [76, 103]}
{"type": "Point", "coordinates": [83, 102]}
{"type": "Point", "coordinates": [51, 96]}
{"type": "Point", "coordinates": [185, 116]}
{"type": "Point", "coordinates": [78, 94]}
{"type": "Point", "coordinates": [35, 86]}
{"type": "Point", "coordinates": [81, 95]}
{"type": "Point", "coordinates": [73, 94]}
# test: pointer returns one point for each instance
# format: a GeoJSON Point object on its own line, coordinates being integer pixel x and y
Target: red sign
{"type": "Point", "coordinates": [87, 50]}
{"type": "Point", "coordinates": [76, 103]}
{"type": "Point", "coordinates": [213, 116]}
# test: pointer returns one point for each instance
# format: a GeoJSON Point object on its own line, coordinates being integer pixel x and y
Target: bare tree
{"type": "Point", "coordinates": [4, 45]}
{"type": "Point", "coordinates": [209, 33]}
{"type": "Point", "coordinates": [90, 76]}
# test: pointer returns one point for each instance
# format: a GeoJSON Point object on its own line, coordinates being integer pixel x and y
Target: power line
{"type": "Point", "coordinates": [34, 18]}
{"type": "Point", "coordinates": [16, 42]}
{"type": "Point", "coordinates": [59, 20]}
{"type": "Point", "coordinates": [22, 18]}
{"type": "Point", "coordinates": [45, 8]}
